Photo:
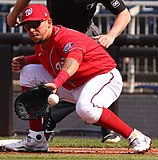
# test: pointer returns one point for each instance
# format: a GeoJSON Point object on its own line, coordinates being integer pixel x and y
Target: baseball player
{"type": "Point", "coordinates": [78, 15]}
{"type": "Point", "coordinates": [79, 69]}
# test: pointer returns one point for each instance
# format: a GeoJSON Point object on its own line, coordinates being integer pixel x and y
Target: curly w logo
{"type": "Point", "coordinates": [28, 12]}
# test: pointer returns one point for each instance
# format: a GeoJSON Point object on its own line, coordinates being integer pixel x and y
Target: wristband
{"type": "Point", "coordinates": [61, 78]}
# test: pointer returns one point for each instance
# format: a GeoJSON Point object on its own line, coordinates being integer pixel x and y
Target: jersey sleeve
{"type": "Point", "coordinates": [115, 6]}
{"type": "Point", "coordinates": [33, 59]}
{"type": "Point", "coordinates": [73, 47]}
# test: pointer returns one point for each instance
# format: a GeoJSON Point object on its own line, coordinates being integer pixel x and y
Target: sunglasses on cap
{"type": "Point", "coordinates": [32, 24]}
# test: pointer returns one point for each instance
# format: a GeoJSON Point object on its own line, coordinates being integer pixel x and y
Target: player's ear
{"type": "Point", "coordinates": [50, 21]}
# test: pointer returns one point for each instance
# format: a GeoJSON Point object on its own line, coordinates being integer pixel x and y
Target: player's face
{"type": "Point", "coordinates": [37, 30]}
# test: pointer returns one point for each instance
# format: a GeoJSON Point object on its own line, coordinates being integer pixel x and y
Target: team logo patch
{"type": "Point", "coordinates": [67, 47]}
{"type": "Point", "coordinates": [115, 3]}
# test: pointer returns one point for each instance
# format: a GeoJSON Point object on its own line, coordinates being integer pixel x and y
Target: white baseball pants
{"type": "Point", "coordinates": [90, 98]}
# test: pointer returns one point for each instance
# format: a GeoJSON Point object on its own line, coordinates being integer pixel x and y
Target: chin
{"type": "Point", "coordinates": [39, 41]}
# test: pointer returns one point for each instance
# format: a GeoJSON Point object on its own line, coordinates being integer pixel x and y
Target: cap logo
{"type": "Point", "coordinates": [28, 12]}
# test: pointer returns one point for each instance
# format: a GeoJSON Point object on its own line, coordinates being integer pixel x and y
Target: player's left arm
{"type": "Point", "coordinates": [122, 20]}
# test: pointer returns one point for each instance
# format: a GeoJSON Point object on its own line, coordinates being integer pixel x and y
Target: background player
{"type": "Point", "coordinates": [79, 15]}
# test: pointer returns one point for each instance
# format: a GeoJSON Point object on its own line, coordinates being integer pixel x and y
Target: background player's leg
{"type": "Point", "coordinates": [58, 113]}
{"type": "Point", "coordinates": [108, 135]}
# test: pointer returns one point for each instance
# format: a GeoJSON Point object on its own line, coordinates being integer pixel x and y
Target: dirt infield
{"type": "Point", "coordinates": [88, 151]}
{"type": "Point", "coordinates": [97, 151]}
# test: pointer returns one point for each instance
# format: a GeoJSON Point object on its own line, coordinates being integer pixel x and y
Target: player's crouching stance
{"type": "Point", "coordinates": [82, 72]}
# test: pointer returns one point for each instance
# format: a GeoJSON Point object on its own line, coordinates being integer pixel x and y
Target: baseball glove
{"type": "Point", "coordinates": [33, 103]}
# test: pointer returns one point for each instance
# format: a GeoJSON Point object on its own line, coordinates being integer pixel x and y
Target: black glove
{"type": "Point", "coordinates": [33, 103]}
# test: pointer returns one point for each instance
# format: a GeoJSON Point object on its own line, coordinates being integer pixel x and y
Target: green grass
{"type": "Point", "coordinates": [80, 142]}
{"type": "Point", "coordinates": [90, 142]}
{"type": "Point", "coordinates": [76, 157]}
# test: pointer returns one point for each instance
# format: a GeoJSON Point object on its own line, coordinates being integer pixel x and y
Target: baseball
{"type": "Point", "coordinates": [53, 99]}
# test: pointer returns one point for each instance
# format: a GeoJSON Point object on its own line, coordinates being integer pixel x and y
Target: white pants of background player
{"type": "Point", "coordinates": [90, 98]}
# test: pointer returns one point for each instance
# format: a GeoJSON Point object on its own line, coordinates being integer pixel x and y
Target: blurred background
{"type": "Point", "coordinates": [135, 51]}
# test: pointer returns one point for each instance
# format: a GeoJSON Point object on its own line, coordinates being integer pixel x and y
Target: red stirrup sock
{"type": "Point", "coordinates": [109, 120]}
{"type": "Point", "coordinates": [35, 125]}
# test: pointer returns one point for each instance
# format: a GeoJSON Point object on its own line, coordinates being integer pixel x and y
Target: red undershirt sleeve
{"type": "Point", "coordinates": [61, 78]}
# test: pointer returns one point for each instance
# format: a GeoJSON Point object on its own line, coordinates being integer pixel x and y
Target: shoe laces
{"type": "Point", "coordinates": [134, 143]}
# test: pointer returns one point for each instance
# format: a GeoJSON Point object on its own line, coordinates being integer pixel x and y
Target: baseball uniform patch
{"type": "Point", "coordinates": [67, 47]}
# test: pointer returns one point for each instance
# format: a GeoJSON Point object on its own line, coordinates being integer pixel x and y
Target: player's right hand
{"type": "Point", "coordinates": [52, 86]}
{"type": "Point", "coordinates": [12, 21]}
{"type": "Point", "coordinates": [18, 63]}
{"type": "Point", "coordinates": [105, 40]}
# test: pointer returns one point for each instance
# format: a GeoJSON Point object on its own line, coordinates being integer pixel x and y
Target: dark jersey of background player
{"type": "Point", "coordinates": [78, 14]}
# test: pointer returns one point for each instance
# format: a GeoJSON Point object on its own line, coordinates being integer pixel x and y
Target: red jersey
{"type": "Point", "coordinates": [91, 56]}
